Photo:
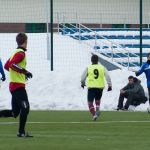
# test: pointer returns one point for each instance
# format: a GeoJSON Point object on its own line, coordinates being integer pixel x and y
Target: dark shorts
{"type": "Point", "coordinates": [94, 94]}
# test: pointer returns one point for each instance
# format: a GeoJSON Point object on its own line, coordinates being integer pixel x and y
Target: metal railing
{"type": "Point", "coordinates": [78, 32]}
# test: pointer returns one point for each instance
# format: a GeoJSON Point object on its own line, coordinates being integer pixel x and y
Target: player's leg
{"type": "Point", "coordinates": [98, 96]}
{"type": "Point", "coordinates": [90, 98]}
{"type": "Point", "coordinates": [6, 113]}
{"type": "Point", "coordinates": [149, 94]}
{"type": "Point", "coordinates": [149, 100]}
{"type": "Point", "coordinates": [14, 104]}
{"type": "Point", "coordinates": [10, 113]}
{"type": "Point", "coordinates": [22, 100]}
{"type": "Point", "coordinates": [24, 110]}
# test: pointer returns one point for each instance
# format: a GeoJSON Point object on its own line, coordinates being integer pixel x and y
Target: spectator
{"type": "Point", "coordinates": [134, 93]}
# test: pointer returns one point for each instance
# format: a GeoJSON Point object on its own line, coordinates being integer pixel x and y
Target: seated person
{"type": "Point", "coordinates": [134, 93]}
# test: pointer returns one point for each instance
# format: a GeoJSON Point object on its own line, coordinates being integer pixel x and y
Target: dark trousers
{"type": "Point", "coordinates": [121, 100]}
{"type": "Point", "coordinates": [20, 106]}
{"type": "Point", "coordinates": [132, 99]}
{"type": "Point", "coordinates": [149, 94]}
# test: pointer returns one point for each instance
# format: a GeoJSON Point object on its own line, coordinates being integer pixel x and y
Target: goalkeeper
{"type": "Point", "coordinates": [16, 66]}
{"type": "Point", "coordinates": [95, 74]}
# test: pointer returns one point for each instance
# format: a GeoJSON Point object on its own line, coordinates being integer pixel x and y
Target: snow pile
{"type": "Point", "coordinates": [60, 89]}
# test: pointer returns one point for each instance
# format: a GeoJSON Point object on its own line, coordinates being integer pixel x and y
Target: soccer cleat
{"type": "Point", "coordinates": [118, 108]}
{"type": "Point", "coordinates": [124, 109]}
{"type": "Point", "coordinates": [24, 135]}
{"type": "Point", "coordinates": [95, 117]}
{"type": "Point", "coordinates": [121, 109]}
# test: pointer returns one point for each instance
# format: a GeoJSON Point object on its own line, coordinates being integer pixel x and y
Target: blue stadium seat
{"type": "Point", "coordinates": [136, 46]}
{"type": "Point", "coordinates": [136, 37]}
{"type": "Point", "coordinates": [130, 64]}
{"type": "Point", "coordinates": [105, 47]}
{"type": "Point", "coordinates": [121, 37]}
{"type": "Point", "coordinates": [114, 46]}
{"type": "Point", "coordinates": [146, 46]}
{"type": "Point", "coordinates": [128, 45]}
{"type": "Point", "coordinates": [96, 47]}
{"type": "Point", "coordinates": [129, 37]}
{"type": "Point", "coordinates": [143, 54]}
{"type": "Point", "coordinates": [112, 37]}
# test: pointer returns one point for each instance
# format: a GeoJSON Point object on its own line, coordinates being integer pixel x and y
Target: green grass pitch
{"type": "Point", "coordinates": [74, 130]}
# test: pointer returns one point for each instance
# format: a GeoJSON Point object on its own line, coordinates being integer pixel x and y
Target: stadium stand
{"type": "Point", "coordinates": [127, 39]}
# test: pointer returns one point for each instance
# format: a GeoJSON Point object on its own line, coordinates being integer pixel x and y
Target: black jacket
{"type": "Point", "coordinates": [135, 88]}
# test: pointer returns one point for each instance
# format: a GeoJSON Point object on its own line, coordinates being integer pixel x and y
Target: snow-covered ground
{"type": "Point", "coordinates": [60, 89]}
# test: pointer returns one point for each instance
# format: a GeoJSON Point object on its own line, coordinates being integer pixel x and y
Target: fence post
{"type": "Point", "coordinates": [79, 33]}
{"type": "Point", "coordinates": [47, 30]}
{"type": "Point", "coordinates": [52, 30]}
{"type": "Point", "coordinates": [141, 23]}
{"type": "Point", "coordinates": [63, 25]}
{"type": "Point", "coordinates": [77, 21]}
{"type": "Point", "coordinates": [95, 47]}
{"type": "Point", "coordinates": [112, 52]}
{"type": "Point", "coordinates": [128, 61]}
{"type": "Point", "coordinates": [58, 22]}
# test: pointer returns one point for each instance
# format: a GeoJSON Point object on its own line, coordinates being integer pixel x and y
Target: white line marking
{"type": "Point", "coordinates": [102, 122]}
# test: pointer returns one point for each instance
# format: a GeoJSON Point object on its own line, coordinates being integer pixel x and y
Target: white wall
{"type": "Point", "coordinates": [22, 11]}
{"type": "Point", "coordinates": [85, 11]}
{"type": "Point", "coordinates": [103, 11]}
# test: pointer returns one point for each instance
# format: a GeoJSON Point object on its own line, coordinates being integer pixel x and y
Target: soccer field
{"type": "Point", "coordinates": [74, 130]}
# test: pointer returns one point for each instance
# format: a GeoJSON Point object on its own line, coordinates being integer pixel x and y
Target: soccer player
{"type": "Point", "coordinates": [3, 78]}
{"type": "Point", "coordinates": [16, 66]}
{"type": "Point", "coordinates": [146, 69]}
{"type": "Point", "coordinates": [95, 74]}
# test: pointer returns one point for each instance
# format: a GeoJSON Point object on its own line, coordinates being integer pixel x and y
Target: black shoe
{"type": "Point", "coordinates": [124, 109]}
{"type": "Point", "coordinates": [24, 135]}
{"type": "Point", "coordinates": [118, 108]}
